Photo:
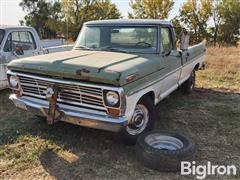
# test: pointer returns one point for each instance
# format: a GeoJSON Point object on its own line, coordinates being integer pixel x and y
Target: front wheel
{"type": "Point", "coordinates": [142, 120]}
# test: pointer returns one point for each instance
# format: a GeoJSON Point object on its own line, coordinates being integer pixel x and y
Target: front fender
{"type": "Point", "coordinates": [131, 101]}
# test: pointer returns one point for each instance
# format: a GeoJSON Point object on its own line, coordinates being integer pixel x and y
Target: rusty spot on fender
{"type": "Point", "coordinates": [80, 71]}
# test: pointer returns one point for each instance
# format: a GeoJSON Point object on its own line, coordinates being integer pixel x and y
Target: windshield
{"type": "Point", "coordinates": [2, 32]}
{"type": "Point", "coordinates": [114, 38]}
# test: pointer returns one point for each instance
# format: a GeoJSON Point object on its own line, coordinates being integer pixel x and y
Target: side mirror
{"type": "Point", "coordinates": [184, 40]}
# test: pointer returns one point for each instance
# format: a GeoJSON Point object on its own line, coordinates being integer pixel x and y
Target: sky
{"type": "Point", "coordinates": [11, 13]}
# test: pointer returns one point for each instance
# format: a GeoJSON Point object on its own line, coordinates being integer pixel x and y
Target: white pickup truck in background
{"type": "Point", "coordinates": [21, 41]}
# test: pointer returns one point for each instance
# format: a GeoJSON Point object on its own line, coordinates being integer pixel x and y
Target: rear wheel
{"type": "Point", "coordinates": [189, 85]}
{"type": "Point", "coordinates": [142, 120]}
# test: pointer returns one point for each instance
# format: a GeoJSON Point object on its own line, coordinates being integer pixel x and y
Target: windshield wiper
{"type": "Point", "coordinates": [83, 47]}
{"type": "Point", "coordinates": [114, 49]}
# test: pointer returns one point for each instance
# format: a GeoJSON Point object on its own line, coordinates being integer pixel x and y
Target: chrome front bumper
{"type": "Point", "coordinates": [97, 121]}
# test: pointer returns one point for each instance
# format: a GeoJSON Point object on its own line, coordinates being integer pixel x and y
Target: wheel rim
{"type": "Point", "coordinates": [139, 120]}
{"type": "Point", "coordinates": [163, 142]}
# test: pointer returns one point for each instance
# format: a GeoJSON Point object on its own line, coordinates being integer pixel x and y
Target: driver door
{"type": "Point", "coordinates": [172, 61]}
{"type": "Point", "coordinates": [19, 44]}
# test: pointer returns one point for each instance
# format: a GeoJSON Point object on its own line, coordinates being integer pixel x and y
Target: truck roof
{"type": "Point", "coordinates": [129, 22]}
{"type": "Point", "coordinates": [6, 27]}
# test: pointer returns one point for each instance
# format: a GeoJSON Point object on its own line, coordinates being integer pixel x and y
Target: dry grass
{"type": "Point", "coordinates": [223, 69]}
{"type": "Point", "coordinates": [29, 149]}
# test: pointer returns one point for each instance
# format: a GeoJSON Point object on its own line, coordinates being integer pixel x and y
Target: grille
{"type": "Point", "coordinates": [70, 94]}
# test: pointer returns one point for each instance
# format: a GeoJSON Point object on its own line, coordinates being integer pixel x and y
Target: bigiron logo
{"type": "Point", "coordinates": [201, 171]}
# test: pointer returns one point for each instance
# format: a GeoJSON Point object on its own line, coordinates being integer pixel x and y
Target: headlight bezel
{"type": "Point", "coordinates": [13, 79]}
{"type": "Point", "coordinates": [112, 93]}
{"type": "Point", "coordinates": [119, 108]}
{"type": "Point", "coordinates": [112, 98]}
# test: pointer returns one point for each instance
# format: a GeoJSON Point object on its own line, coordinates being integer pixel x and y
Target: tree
{"type": "Point", "coordinates": [195, 16]}
{"type": "Point", "coordinates": [155, 9]}
{"type": "Point", "coordinates": [104, 9]}
{"type": "Point", "coordinates": [44, 16]}
{"type": "Point", "coordinates": [77, 12]}
{"type": "Point", "coordinates": [229, 29]}
{"type": "Point", "coordinates": [177, 27]}
{"type": "Point", "coordinates": [21, 22]}
{"type": "Point", "coordinates": [216, 19]}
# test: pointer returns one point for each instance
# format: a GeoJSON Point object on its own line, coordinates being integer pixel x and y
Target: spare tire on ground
{"type": "Point", "coordinates": [164, 151]}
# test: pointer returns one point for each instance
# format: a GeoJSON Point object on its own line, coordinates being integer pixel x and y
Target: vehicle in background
{"type": "Point", "coordinates": [19, 42]}
{"type": "Point", "coordinates": [112, 79]}
{"type": "Point", "coordinates": [52, 42]}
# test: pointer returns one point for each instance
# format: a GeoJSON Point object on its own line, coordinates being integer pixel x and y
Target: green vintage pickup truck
{"type": "Point", "coordinates": [112, 79]}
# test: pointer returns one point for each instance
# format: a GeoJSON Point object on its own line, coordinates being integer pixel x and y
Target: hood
{"type": "Point", "coordinates": [96, 66]}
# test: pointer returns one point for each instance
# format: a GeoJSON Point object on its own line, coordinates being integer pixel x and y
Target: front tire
{"type": "Point", "coordinates": [142, 120]}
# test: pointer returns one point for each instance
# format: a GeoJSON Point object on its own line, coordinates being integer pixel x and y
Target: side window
{"type": "Point", "coordinates": [15, 41]}
{"type": "Point", "coordinates": [15, 37]}
{"type": "Point", "coordinates": [22, 40]}
{"type": "Point", "coordinates": [27, 41]}
{"type": "Point", "coordinates": [166, 40]}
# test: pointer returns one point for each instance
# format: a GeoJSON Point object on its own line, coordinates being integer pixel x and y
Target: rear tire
{"type": "Point", "coordinates": [189, 85]}
{"type": "Point", "coordinates": [142, 121]}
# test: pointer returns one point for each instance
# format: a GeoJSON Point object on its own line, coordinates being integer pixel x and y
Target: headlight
{"type": "Point", "coordinates": [13, 82]}
{"type": "Point", "coordinates": [112, 98]}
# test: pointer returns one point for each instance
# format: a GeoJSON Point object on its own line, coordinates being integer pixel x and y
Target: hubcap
{"type": "Point", "coordinates": [164, 142]}
{"type": "Point", "coordinates": [139, 120]}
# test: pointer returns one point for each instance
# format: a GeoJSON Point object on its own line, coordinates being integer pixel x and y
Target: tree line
{"type": "Point", "coordinates": [216, 21]}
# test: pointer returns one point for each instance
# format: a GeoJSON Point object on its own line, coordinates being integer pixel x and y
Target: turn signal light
{"type": "Point", "coordinates": [113, 111]}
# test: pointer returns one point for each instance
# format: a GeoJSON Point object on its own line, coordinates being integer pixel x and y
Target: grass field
{"type": "Point", "coordinates": [29, 149]}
